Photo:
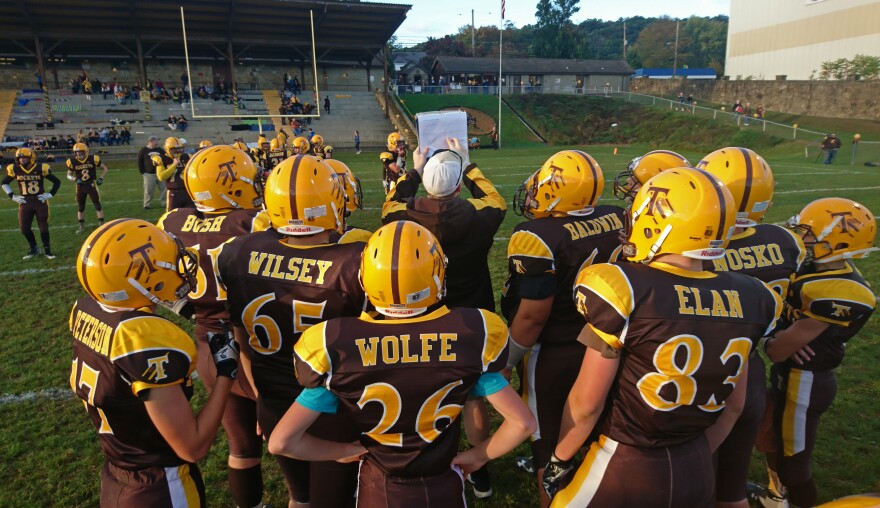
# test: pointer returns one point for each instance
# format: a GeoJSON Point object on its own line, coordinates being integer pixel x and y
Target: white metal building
{"type": "Point", "coordinates": [767, 38]}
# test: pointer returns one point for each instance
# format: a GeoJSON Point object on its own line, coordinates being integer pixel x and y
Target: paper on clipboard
{"type": "Point", "coordinates": [435, 126]}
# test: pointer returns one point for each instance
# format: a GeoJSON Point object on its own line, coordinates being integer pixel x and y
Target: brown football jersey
{"type": "Point", "coordinates": [684, 337]}
{"type": "Point", "coordinates": [767, 252]}
{"type": "Point", "coordinates": [31, 181]}
{"type": "Point", "coordinates": [274, 158]}
{"type": "Point", "coordinates": [117, 357]}
{"type": "Point", "coordinates": [175, 181]}
{"type": "Point", "coordinates": [276, 291]}
{"type": "Point", "coordinates": [87, 170]}
{"type": "Point", "coordinates": [404, 381]}
{"type": "Point", "coordinates": [545, 255]}
{"type": "Point", "coordinates": [205, 232]}
{"type": "Point", "coordinates": [842, 298]}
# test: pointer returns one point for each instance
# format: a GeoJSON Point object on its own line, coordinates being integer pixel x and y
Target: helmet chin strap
{"type": "Point", "coordinates": [656, 246]}
{"type": "Point", "coordinates": [142, 290]}
{"type": "Point", "coordinates": [828, 229]}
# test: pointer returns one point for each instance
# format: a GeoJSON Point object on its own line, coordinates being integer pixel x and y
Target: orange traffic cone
{"type": "Point", "coordinates": [615, 150]}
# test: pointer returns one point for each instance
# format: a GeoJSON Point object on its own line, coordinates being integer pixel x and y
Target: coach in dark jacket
{"type": "Point", "coordinates": [148, 170]}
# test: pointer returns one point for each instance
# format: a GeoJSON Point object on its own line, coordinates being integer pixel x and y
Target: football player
{"type": "Point", "coordinates": [404, 391]}
{"type": "Point", "coordinates": [566, 231]}
{"type": "Point", "coordinates": [261, 151]}
{"type": "Point", "coordinates": [83, 169]}
{"type": "Point", "coordinates": [222, 182]}
{"type": "Point", "coordinates": [277, 153]}
{"type": "Point", "coordinates": [281, 281]}
{"type": "Point", "coordinates": [169, 168]}
{"type": "Point", "coordinates": [827, 304]}
{"type": "Point", "coordinates": [317, 146]}
{"type": "Point", "coordinates": [641, 169]}
{"type": "Point", "coordinates": [667, 344]}
{"type": "Point", "coordinates": [354, 200]}
{"type": "Point", "coordinates": [132, 368]}
{"type": "Point", "coordinates": [390, 171]}
{"type": "Point", "coordinates": [301, 146]}
{"type": "Point", "coordinates": [32, 198]}
{"type": "Point", "coordinates": [205, 143]}
{"type": "Point", "coordinates": [397, 146]}
{"type": "Point", "coordinates": [328, 152]}
{"type": "Point", "coordinates": [466, 230]}
{"type": "Point", "coordinates": [771, 254]}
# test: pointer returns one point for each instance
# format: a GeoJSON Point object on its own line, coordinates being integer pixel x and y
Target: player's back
{"type": "Point", "coordinates": [551, 251]}
{"type": "Point", "coordinates": [405, 381]}
{"type": "Point", "coordinates": [118, 355]}
{"type": "Point", "coordinates": [206, 232]}
{"type": "Point", "coordinates": [276, 291]}
{"type": "Point", "coordinates": [686, 337]}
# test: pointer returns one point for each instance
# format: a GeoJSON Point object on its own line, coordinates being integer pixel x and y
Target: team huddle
{"type": "Point", "coordinates": [637, 333]}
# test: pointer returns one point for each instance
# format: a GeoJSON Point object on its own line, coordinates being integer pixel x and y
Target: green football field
{"type": "Point", "coordinates": [49, 453]}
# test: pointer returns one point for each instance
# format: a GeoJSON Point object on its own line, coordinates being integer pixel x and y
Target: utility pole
{"type": "Point", "coordinates": [624, 40]}
{"type": "Point", "coordinates": [675, 59]}
{"type": "Point", "coordinates": [473, 36]}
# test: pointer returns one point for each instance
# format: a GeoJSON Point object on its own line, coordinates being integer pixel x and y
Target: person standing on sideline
{"type": "Point", "coordinates": [32, 198]}
{"type": "Point", "coordinates": [327, 104]}
{"type": "Point", "coordinates": [830, 146]}
{"type": "Point", "coordinates": [494, 137]}
{"type": "Point", "coordinates": [357, 142]}
{"type": "Point", "coordinates": [148, 170]}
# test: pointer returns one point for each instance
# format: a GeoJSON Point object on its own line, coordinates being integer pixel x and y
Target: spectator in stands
{"type": "Point", "coordinates": [104, 136]}
{"type": "Point", "coordinates": [105, 89]}
{"type": "Point", "coordinates": [125, 136]}
{"type": "Point", "coordinates": [159, 84]}
{"type": "Point", "coordinates": [93, 137]}
{"type": "Point", "coordinates": [285, 81]}
{"type": "Point", "coordinates": [297, 88]}
{"type": "Point", "coordinates": [148, 170]}
{"type": "Point", "coordinates": [183, 80]}
{"type": "Point", "coordinates": [113, 136]}
{"type": "Point", "coordinates": [681, 97]}
{"type": "Point", "coordinates": [87, 89]}
{"type": "Point", "coordinates": [149, 85]}
{"type": "Point", "coordinates": [182, 123]}
{"type": "Point", "coordinates": [74, 86]}
{"type": "Point", "coordinates": [327, 104]}
{"type": "Point", "coordinates": [120, 96]}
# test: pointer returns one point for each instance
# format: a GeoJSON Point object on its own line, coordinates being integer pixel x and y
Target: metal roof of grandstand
{"type": "Point", "coordinates": [267, 30]}
{"type": "Point", "coordinates": [465, 65]}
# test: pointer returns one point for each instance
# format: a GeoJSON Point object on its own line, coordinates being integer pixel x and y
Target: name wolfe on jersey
{"type": "Point", "coordinates": [392, 349]}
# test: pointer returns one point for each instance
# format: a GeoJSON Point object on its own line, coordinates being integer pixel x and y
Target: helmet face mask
{"type": "Point", "coordinates": [80, 151]}
{"type": "Point", "coordinates": [26, 156]}
{"type": "Point", "coordinates": [641, 169]}
{"type": "Point", "coordinates": [301, 145]}
{"type": "Point", "coordinates": [173, 147]}
{"type": "Point", "coordinates": [394, 140]}
{"type": "Point", "coordinates": [569, 183]}
{"type": "Point", "coordinates": [354, 194]}
{"type": "Point", "coordinates": [835, 229]}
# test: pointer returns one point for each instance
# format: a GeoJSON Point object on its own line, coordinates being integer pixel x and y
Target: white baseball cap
{"type": "Point", "coordinates": [443, 173]}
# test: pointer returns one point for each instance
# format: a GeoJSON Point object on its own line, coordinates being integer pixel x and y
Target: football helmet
{"type": "Point", "coordinates": [403, 269]}
{"type": "Point", "coordinates": [835, 228]}
{"type": "Point", "coordinates": [80, 151]}
{"type": "Point", "coordinates": [683, 211]}
{"type": "Point", "coordinates": [748, 178]}
{"type": "Point", "coordinates": [328, 152]}
{"type": "Point", "coordinates": [317, 140]}
{"type": "Point", "coordinates": [393, 140]}
{"type": "Point", "coordinates": [241, 146]}
{"type": "Point", "coordinates": [354, 195]}
{"type": "Point", "coordinates": [304, 197]}
{"type": "Point", "coordinates": [173, 147]}
{"type": "Point", "coordinates": [205, 143]}
{"type": "Point", "coordinates": [263, 143]}
{"type": "Point", "coordinates": [221, 178]}
{"type": "Point", "coordinates": [274, 144]}
{"type": "Point", "coordinates": [570, 182]}
{"type": "Point", "coordinates": [387, 157]}
{"type": "Point", "coordinates": [130, 263]}
{"type": "Point", "coordinates": [301, 145]}
{"type": "Point", "coordinates": [641, 169]}
{"type": "Point", "coordinates": [28, 153]}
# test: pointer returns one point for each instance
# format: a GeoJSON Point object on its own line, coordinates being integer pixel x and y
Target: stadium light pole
{"type": "Point", "coordinates": [675, 58]}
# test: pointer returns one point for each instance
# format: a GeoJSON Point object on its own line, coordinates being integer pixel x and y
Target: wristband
{"type": "Point", "coordinates": [764, 342]}
{"type": "Point", "coordinates": [516, 352]}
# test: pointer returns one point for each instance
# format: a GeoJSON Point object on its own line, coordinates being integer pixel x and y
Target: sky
{"type": "Point", "coordinates": [436, 18]}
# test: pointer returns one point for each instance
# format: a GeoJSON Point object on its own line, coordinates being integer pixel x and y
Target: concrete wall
{"type": "Point", "coordinates": [793, 37]}
{"type": "Point", "coordinates": [837, 99]}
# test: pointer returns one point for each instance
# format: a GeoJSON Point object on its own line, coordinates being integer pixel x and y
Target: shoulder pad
{"type": "Point", "coordinates": [153, 352]}
{"type": "Point", "coordinates": [529, 254]}
{"type": "Point", "coordinates": [355, 235]}
{"type": "Point", "coordinates": [836, 301]}
{"type": "Point", "coordinates": [608, 282]}
{"type": "Point", "coordinates": [311, 362]}
{"type": "Point", "coordinates": [495, 343]}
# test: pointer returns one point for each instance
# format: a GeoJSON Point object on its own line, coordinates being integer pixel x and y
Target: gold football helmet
{"type": "Point", "coordinates": [393, 140]}
{"type": "Point", "coordinates": [27, 153]}
{"type": "Point", "coordinates": [262, 143]}
{"type": "Point", "coordinates": [328, 152]}
{"type": "Point", "coordinates": [304, 197]}
{"type": "Point", "coordinates": [354, 195]}
{"type": "Point", "coordinates": [241, 146]}
{"type": "Point", "coordinates": [835, 228]}
{"type": "Point", "coordinates": [683, 211]}
{"type": "Point", "coordinates": [317, 140]}
{"type": "Point", "coordinates": [641, 169]}
{"type": "Point", "coordinates": [570, 182]}
{"type": "Point", "coordinates": [221, 178]}
{"type": "Point", "coordinates": [80, 151]}
{"type": "Point", "coordinates": [748, 178]}
{"type": "Point", "coordinates": [130, 263]}
{"type": "Point", "coordinates": [173, 147]}
{"type": "Point", "coordinates": [301, 145]}
{"type": "Point", "coordinates": [274, 144]}
{"type": "Point", "coordinates": [205, 143]}
{"type": "Point", "coordinates": [387, 157]}
{"type": "Point", "coordinates": [403, 269]}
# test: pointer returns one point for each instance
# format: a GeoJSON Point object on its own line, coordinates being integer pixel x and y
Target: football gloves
{"type": "Point", "coordinates": [18, 199]}
{"type": "Point", "coordinates": [557, 474]}
{"type": "Point", "coordinates": [71, 177]}
{"type": "Point", "coordinates": [46, 196]}
{"type": "Point", "coordinates": [224, 349]}
{"type": "Point", "coordinates": [99, 181]}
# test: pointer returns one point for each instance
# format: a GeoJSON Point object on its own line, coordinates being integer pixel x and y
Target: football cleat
{"type": "Point", "coordinates": [48, 253]}
{"type": "Point", "coordinates": [481, 482]}
{"type": "Point", "coordinates": [35, 251]}
{"type": "Point", "coordinates": [525, 463]}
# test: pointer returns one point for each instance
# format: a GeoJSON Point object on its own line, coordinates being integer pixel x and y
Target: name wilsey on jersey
{"type": "Point", "coordinates": [690, 302]}
{"type": "Point", "coordinates": [392, 349]}
{"type": "Point", "coordinates": [281, 267]}
{"type": "Point", "coordinates": [92, 332]}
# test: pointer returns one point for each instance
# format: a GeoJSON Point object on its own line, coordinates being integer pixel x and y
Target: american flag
{"type": "Point", "coordinates": [502, 9]}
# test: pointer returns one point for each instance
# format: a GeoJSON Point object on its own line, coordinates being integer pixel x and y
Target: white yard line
{"type": "Point", "coordinates": [34, 271]}
{"type": "Point", "coordinates": [802, 191]}
{"type": "Point", "coordinates": [46, 393]}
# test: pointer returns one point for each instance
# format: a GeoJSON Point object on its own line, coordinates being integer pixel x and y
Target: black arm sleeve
{"type": "Point", "coordinates": [474, 189]}
{"type": "Point", "coordinates": [6, 180]}
{"type": "Point", "coordinates": [407, 187]}
{"type": "Point", "coordinates": [56, 183]}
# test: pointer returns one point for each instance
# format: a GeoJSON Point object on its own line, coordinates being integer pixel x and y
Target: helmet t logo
{"type": "Point", "coordinates": [658, 202]}
{"type": "Point", "coordinates": [226, 173]}
{"type": "Point", "coordinates": [846, 222]}
{"type": "Point", "coordinates": [140, 260]}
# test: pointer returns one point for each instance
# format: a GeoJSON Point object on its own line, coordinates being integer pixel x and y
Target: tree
{"type": "Point", "coordinates": [656, 45]}
{"type": "Point", "coordinates": [554, 36]}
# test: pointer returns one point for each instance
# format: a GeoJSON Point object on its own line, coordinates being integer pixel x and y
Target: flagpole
{"type": "Point", "coordinates": [500, 47]}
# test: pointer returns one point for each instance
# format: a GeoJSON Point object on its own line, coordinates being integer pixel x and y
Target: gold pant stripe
{"type": "Point", "coordinates": [589, 475]}
{"type": "Point", "coordinates": [528, 383]}
{"type": "Point", "coordinates": [794, 416]}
